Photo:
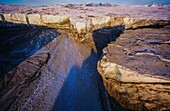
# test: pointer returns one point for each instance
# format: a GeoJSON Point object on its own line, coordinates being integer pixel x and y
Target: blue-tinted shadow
{"type": "Point", "coordinates": [82, 89]}
{"type": "Point", "coordinates": [20, 41]}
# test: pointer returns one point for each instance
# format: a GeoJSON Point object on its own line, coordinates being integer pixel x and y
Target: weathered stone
{"type": "Point", "coordinates": [7, 17]}
{"type": "Point", "coordinates": [22, 62]}
{"type": "Point", "coordinates": [16, 17]}
{"type": "Point", "coordinates": [34, 19]}
{"type": "Point", "coordinates": [81, 27]}
{"type": "Point", "coordinates": [116, 21]}
{"type": "Point", "coordinates": [19, 77]}
{"type": "Point", "coordinates": [135, 73]}
{"type": "Point", "coordinates": [56, 19]}
{"type": "Point", "coordinates": [135, 69]}
{"type": "Point", "coordinates": [136, 23]}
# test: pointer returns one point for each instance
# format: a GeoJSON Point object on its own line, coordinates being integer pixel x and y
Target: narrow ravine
{"type": "Point", "coordinates": [69, 58]}
{"type": "Point", "coordinates": [58, 74]}
{"type": "Point", "coordinates": [71, 79]}
{"type": "Point", "coordinates": [46, 69]}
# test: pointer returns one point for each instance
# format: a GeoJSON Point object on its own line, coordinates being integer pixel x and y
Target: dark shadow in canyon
{"type": "Point", "coordinates": [17, 43]}
{"type": "Point", "coordinates": [101, 38]}
{"type": "Point", "coordinates": [20, 41]}
{"type": "Point", "coordinates": [105, 35]}
{"type": "Point", "coordinates": [83, 89]}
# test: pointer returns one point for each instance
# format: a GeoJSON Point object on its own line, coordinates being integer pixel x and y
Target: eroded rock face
{"type": "Point", "coordinates": [60, 75]}
{"type": "Point", "coordinates": [14, 82]}
{"type": "Point", "coordinates": [135, 69]}
{"type": "Point", "coordinates": [19, 42]}
{"type": "Point", "coordinates": [82, 20]}
{"type": "Point", "coordinates": [19, 65]}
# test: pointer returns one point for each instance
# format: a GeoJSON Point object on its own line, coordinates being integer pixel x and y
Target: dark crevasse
{"type": "Point", "coordinates": [54, 73]}
{"type": "Point", "coordinates": [101, 38]}
{"type": "Point", "coordinates": [83, 88]}
{"type": "Point", "coordinates": [69, 81]}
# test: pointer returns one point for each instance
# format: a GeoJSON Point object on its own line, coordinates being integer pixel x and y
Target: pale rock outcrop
{"type": "Point", "coordinates": [128, 20]}
{"type": "Point", "coordinates": [80, 26]}
{"type": "Point", "coordinates": [34, 19]}
{"type": "Point", "coordinates": [56, 19]}
{"type": "Point", "coordinates": [135, 23]}
{"type": "Point", "coordinates": [99, 22]}
{"type": "Point", "coordinates": [16, 17]}
{"type": "Point", "coordinates": [116, 21]}
{"type": "Point", "coordinates": [125, 75]}
{"type": "Point", "coordinates": [133, 90]}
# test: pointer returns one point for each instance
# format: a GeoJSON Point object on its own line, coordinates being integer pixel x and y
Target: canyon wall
{"type": "Point", "coordinates": [80, 29]}
{"type": "Point", "coordinates": [134, 88]}
{"type": "Point", "coordinates": [135, 69]}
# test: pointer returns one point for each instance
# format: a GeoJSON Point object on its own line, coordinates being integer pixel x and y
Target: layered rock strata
{"type": "Point", "coordinates": [136, 69]}
{"type": "Point", "coordinates": [80, 29]}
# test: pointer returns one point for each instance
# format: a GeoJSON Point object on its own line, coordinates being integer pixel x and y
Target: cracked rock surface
{"type": "Point", "coordinates": [41, 72]}
{"type": "Point", "coordinates": [19, 65]}
{"type": "Point", "coordinates": [136, 69]}
{"type": "Point", "coordinates": [146, 51]}
{"type": "Point", "coordinates": [42, 69]}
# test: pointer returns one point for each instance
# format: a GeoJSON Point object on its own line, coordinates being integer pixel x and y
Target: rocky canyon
{"type": "Point", "coordinates": [84, 58]}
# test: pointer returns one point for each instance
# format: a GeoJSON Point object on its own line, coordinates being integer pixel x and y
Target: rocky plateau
{"type": "Point", "coordinates": [55, 58]}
